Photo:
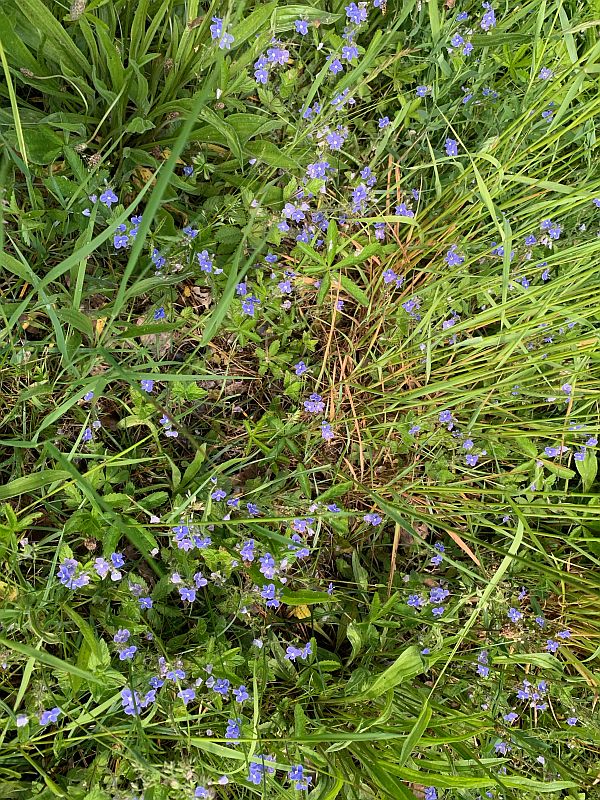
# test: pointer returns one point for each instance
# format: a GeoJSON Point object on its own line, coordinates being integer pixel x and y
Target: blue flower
{"type": "Point", "coordinates": [300, 780]}
{"type": "Point", "coordinates": [327, 431]}
{"type": "Point", "coordinates": [383, 122]}
{"type": "Point", "coordinates": [300, 368]}
{"type": "Point", "coordinates": [253, 509]}
{"type": "Point", "coordinates": [233, 728]}
{"type": "Point", "coordinates": [205, 261]}
{"type": "Point", "coordinates": [108, 197]}
{"type": "Point", "coordinates": [241, 694]}
{"type": "Point", "coordinates": [356, 14]}
{"type": "Point", "coordinates": [422, 91]}
{"type": "Point", "coordinates": [488, 20]}
{"type": "Point", "coordinates": [50, 716]}
{"type": "Point", "coordinates": [373, 519]}
{"type": "Point", "coordinates": [187, 594]}
{"type": "Point", "coordinates": [248, 305]}
{"type": "Point", "coordinates": [159, 314]}
{"type": "Point", "coordinates": [301, 26]}
{"type": "Point", "coordinates": [349, 52]}
{"type": "Point", "coordinates": [451, 146]}
{"type": "Point", "coordinates": [314, 405]}
{"type": "Point", "coordinates": [187, 695]}
{"type": "Point", "coordinates": [127, 653]}
{"type": "Point", "coordinates": [218, 494]}
{"type": "Point", "coordinates": [452, 258]}
{"type": "Point", "coordinates": [147, 385]}
{"type": "Point", "coordinates": [336, 66]}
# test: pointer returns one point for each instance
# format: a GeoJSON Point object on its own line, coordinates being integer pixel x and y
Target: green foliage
{"type": "Point", "coordinates": [384, 699]}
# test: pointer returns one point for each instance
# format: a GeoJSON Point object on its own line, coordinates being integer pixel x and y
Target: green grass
{"type": "Point", "coordinates": [389, 703]}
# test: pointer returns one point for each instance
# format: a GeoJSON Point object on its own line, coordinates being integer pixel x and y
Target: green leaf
{"type": "Point", "coordinates": [588, 469]}
{"type": "Point", "coordinates": [139, 125]}
{"type": "Point", "coordinates": [253, 23]}
{"type": "Point", "coordinates": [76, 319]}
{"type": "Point", "coordinates": [355, 291]}
{"type": "Point", "coordinates": [52, 661]}
{"type": "Point", "coordinates": [304, 597]}
{"type": "Point", "coordinates": [270, 154]}
{"type": "Point", "coordinates": [226, 130]}
{"type": "Point", "coordinates": [413, 737]}
{"type": "Point", "coordinates": [406, 666]}
{"type": "Point", "coordinates": [285, 16]}
{"type": "Point", "coordinates": [29, 483]}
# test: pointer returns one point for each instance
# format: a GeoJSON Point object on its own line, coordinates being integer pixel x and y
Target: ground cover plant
{"type": "Point", "coordinates": [299, 400]}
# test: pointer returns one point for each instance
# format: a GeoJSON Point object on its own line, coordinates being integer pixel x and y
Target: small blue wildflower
{"type": "Point", "coordinates": [349, 52]}
{"type": "Point", "coordinates": [218, 494]}
{"type": "Point", "coordinates": [205, 261]}
{"type": "Point", "coordinates": [127, 653]}
{"type": "Point", "coordinates": [422, 91]}
{"type": "Point", "coordinates": [383, 122]}
{"type": "Point", "coordinates": [488, 21]}
{"type": "Point", "coordinates": [187, 594]}
{"type": "Point", "coordinates": [327, 431]}
{"type": "Point", "coordinates": [187, 695]}
{"type": "Point", "coordinates": [300, 368]}
{"type": "Point", "coordinates": [451, 146]}
{"type": "Point", "coordinates": [147, 385]}
{"type": "Point", "coordinates": [336, 66]}
{"type": "Point", "coordinates": [301, 26]}
{"type": "Point", "coordinates": [241, 694]}
{"type": "Point", "coordinates": [249, 304]}
{"type": "Point", "coordinates": [373, 519]}
{"type": "Point", "coordinates": [247, 550]}
{"type": "Point", "coordinates": [51, 715]}
{"type": "Point", "coordinates": [356, 13]}
{"type": "Point", "coordinates": [452, 258]}
{"type": "Point", "coordinates": [514, 614]}
{"type": "Point", "coordinates": [233, 728]}
{"type": "Point", "coordinates": [121, 636]}
{"type": "Point", "coordinates": [314, 405]}
{"type": "Point", "coordinates": [108, 197]}
{"type": "Point", "coordinates": [300, 780]}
